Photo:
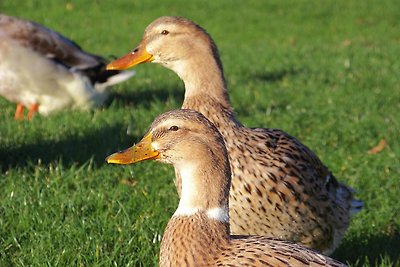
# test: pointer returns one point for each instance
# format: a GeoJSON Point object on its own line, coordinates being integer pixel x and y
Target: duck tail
{"type": "Point", "coordinates": [345, 194]}
{"type": "Point", "coordinates": [109, 78]}
{"type": "Point", "coordinates": [356, 206]}
{"type": "Point", "coordinates": [118, 77]}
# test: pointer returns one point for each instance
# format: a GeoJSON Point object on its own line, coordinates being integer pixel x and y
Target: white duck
{"type": "Point", "coordinates": [44, 71]}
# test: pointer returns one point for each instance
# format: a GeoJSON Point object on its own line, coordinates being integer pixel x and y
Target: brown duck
{"type": "Point", "coordinates": [279, 187]}
{"type": "Point", "coordinates": [198, 232]}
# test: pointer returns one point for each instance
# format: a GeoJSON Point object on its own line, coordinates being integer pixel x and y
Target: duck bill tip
{"type": "Point", "coordinates": [130, 60]}
{"type": "Point", "coordinates": [122, 157]}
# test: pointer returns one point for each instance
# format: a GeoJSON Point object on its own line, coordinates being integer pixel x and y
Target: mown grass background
{"type": "Point", "coordinates": [327, 72]}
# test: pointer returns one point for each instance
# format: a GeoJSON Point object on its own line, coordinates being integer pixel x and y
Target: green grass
{"type": "Point", "coordinates": [327, 72]}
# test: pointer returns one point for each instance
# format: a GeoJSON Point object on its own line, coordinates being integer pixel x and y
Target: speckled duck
{"type": "Point", "coordinates": [198, 232]}
{"type": "Point", "coordinates": [279, 187]}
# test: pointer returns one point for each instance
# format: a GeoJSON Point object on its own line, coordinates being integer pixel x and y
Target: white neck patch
{"type": "Point", "coordinates": [186, 211]}
{"type": "Point", "coordinates": [219, 214]}
{"type": "Point", "coordinates": [186, 206]}
{"type": "Point", "coordinates": [189, 190]}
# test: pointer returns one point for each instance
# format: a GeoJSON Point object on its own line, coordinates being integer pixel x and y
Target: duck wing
{"type": "Point", "coordinates": [47, 42]}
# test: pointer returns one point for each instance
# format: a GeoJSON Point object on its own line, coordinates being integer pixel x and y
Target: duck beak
{"type": "Point", "coordinates": [137, 56]}
{"type": "Point", "coordinates": [139, 152]}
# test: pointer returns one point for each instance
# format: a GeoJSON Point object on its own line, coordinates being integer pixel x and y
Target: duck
{"type": "Point", "coordinates": [280, 187]}
{"type": "Point", "coordinates": [198, 232]}
{"type": "Point", "coordinates": [44, 71]}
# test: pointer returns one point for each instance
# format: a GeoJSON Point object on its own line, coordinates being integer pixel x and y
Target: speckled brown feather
{"type": "Point", "coordinates": [199, 241]}
{"type": "Point", "coordinates": [279, 187]}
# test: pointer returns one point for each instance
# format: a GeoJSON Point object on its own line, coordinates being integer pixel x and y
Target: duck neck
{"type": "Point", "coordinates": [205, 186]}
{"type": "Point", "coordinates": [203, 74]}
{"type": "Point", "coordinates": [205, 88]}
{"type": "Point", "coordinates": [221, 116]}
{"type": "Point", "coordinates": [202, 216]}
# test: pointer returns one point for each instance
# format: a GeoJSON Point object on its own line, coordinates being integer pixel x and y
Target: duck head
{"type": "Point", "coordinates": [176, 137]}
{"type": "Point", "coordinates": [172, 42]}
{"type": "Point", "coordinates": [193, 145]}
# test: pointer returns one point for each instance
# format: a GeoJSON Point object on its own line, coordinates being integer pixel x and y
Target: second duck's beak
{"type": "Point", "coordinates": [137, 56]}
{"type": "Point", "coordinates": [140, 152]}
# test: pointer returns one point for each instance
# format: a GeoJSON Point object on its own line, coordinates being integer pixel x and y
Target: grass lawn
{"type": "Point", "coordinates": [327, 72]}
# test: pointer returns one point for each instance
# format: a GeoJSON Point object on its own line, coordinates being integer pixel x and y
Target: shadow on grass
{"type": "Point", "coordinates": [276, 76]}
{"type": "Point", "coordinates": [72, 149]}
{"type": "Point", "coordinates": [371, 250]}
{"type": "Point", "coordinates": [96, 144]}
{"type": "Point", "coordinates": [145, 96]}
{"type": "Point", "coordinates": [263, 81]}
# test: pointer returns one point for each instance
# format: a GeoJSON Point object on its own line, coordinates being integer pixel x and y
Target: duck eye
{"type": "Point", "coordinates": [164, 32]}
{"type": "Point", "coordinates": [174, 128]}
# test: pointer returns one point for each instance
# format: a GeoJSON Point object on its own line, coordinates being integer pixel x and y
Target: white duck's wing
{"type": "Point", "coordinates": [61, 50]}
{"type": "Point", "coordinates": [47, 42]}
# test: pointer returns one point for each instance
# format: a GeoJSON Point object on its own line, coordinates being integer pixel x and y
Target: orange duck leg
{"type": "Point", "coordinates": [33, 108]}
{"type": "Point", "coordinates": [19, 112]}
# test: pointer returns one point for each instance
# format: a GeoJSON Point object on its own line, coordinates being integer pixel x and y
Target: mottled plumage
{"type": "Point", "coordinates": [280, 188]}
{"type": "Point", "coordinates": [43, 70]}
{"type": "Point", "coordinates": [198, 232]}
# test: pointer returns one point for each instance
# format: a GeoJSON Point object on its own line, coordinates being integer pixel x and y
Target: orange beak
{"type": "Point", "coordinates": [137, 56]}
{"type": "Point", "coordinates": [140, 152]}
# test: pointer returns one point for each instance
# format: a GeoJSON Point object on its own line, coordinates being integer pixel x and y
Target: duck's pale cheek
{"type": "Point", "coordinates": [156, 59]}
{"type": "Point", "coordinates": [155, 145]}
{"type": "Point", "coordinates": [165, 159]}
{"type": "Point", "coordinates": [163, 62]}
